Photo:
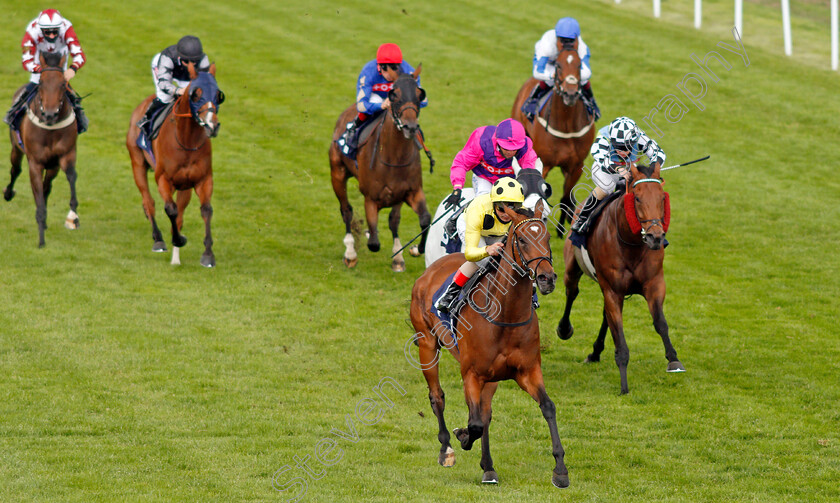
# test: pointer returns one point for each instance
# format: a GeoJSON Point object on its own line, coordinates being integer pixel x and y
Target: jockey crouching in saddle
{"type": "Point", "coordinates": [487, 225]}
{"type": "Point", "coordinates": [171, 76]}
{"type": "Point", "coordinates": [372, 87]}
{"type": "Point", "coordinates": [616, 148]}
{"type": "Point", "coordinates": [567, 30]}
{"type": "Point", "coordinates": [50, 33]}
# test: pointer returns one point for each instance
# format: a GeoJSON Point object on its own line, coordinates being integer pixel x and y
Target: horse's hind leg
{"type": "Point", "coordinates": [417, 201]}
{"type": "Point", "coordinates": [15, 156]}
{"type": "Point", "coordinates": [656, 296]}
{"type": "Point", "coordinates": [598, 346]}
{"type": "Point", "coordinates": [68, 164]}
{"type": "Point", "coordinates": [429, 357]}
{"type": "Point", "coordinates": [532, 382]}
{"type": "Point", "coordinates": [372, 216]}
{"type": "Point", "coordinates": [398, 262]}
{"type": "Point", "coordinates": [339, 175]}
{"type": "Point", "coordinates": [490, 476]}
{"type": "Point", "coordinates": [204, 190]}
{"type": "Point", "coordinates": [571, 279]}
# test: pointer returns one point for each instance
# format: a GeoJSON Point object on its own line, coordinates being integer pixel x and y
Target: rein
{"type": "Point", "coordinates": [37, 120]}
{"type": "Point", "coordinates": [395, 117]}
{"type": "Point", "coordinates": [556, 90]}
{"type": "Point", "coordinates": [521, 267]}
{"type": "Point", "coordinates": [174, 119]}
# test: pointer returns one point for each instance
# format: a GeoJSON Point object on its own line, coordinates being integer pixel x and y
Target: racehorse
{"type": "Point", "coordinates": [388, 169]}
{"type": "Point", "coordinates": [48, 133]}
{"type": "Point", "coordinates": [563, 131]}
{"type": "Point", "coordinates": [626, 247]}
{"type": "Point", "coordinates": [498, 337]}
{"type": "Point", "coordinates": [182, 159]}
{"type": "Point", "coordinates": [537, 191]}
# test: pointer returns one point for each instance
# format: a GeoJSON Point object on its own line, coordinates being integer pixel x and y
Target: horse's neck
{"type": "Point", "coordinates": [567, 118]}
{"type": "Point", "coordinates": [625, 238]}
{"type": "Point", "coordinates": [184, 122]}
{"type": "Point", "coordinates": [509, 289]}
{"type": "Point", "coordinates": [393, 139]}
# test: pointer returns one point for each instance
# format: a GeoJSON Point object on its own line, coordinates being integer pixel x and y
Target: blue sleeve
{"type": "Point", "coordinates": [364, 89]}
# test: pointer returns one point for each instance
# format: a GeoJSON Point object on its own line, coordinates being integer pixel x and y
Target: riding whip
{"type": "Point", "coordinates": [426, 229]}
{"type": "Point", "coordinates": [684, 164]}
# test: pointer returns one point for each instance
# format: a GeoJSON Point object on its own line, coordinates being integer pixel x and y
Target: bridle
{"type": "Point", "coordinates": [570, 79]}
{"type": "Point", "coordinates": [397, 110]}
{"type": "Point", "coordinates": [60, 101]}
{"type": "Point", "coordinates": [521, 266]}
{"type": "Point", "coordinates": [196, 117]}
{"type": "Point", "coordinates": [653, 221]}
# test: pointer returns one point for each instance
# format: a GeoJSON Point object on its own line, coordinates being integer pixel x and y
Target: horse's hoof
{"type": "Point", "coordinates": [675, 366]}
{"type": "Point", "coordinates": [463, 436]}
{"type": "Point", "coordinates": [490, 477]}
{"type": "Point", "coordinates": [350, 263]}
{"type": "Point", "coordinates": [414, 251]}
{"type": "Point", "coordinates": [374, 247]}
{"type": "Point", "coordinates": [398, 266]}
{"type": "Point", "coordinates": [561, 481]}
{"type": "Point", "coordinates": [159, 247]}
{"type": "Point", "coordinates": [8, 194]}
{"type": "Point", "coordinates": [447, 458]}
{"type": "Point", "coordinates": [179, 241]}
{"type": "Point", "coordinates": [208, 260]}
{"type": "Point", "coordinates": [72, 224]}
{"type": "Point", "coordinates": [591, 359]}
{"type": "Point", "coordinates": [563, 332]}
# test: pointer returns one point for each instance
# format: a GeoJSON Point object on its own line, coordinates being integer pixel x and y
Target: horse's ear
{"type": "Point", "coordinates": [422, 93]}
{"type": "Point", "coordinates": [42, 60]}
{"type": "Point", "coordinates": [63, 60]}
{"type": "Point", "coordinates": [191, 70]}
{"type": "Point", "coordinates": [212, 69]}
{"type": "Point", "coordinates": [416, 72]}
{"type": "Point", "coordinates": [538, 210]}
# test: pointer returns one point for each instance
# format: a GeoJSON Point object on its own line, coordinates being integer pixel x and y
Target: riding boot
{"type": "Point", "coordinates": [20, 102]}
{"type": "Point", "coordinates": [81, 118]}
{"type": "Point", "coordinates": [589, 100]}
{"type": "Point", "coordinates": [349, 141]}
{"type": "Point", "coordinates": [146, 122]}
{"type": "Point", "coordinates": [535, 302]}
{"type": "Point", "coordinates": [580, 226]}
{"type": "Point", "coordinates": [529, 108]}
{"type": "Point", "coordinates": [446, 301]}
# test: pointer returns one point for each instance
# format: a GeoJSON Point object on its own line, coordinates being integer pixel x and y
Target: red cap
{"type": "Point", "coordinates": [389, 53]}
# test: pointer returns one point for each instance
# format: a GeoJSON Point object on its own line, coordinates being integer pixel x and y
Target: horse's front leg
{"type": "Point", "coordinates": [398, 262]}
{"type": "Point", "coordinates": [372, 215]}
{"type": "Point", "coordinates": [598, 345]}
{"type": "Point", "coordinates": [204, 190]}
{"type": "Point", "coordinates": [490, 476]}
{"type": "Point", "coordinates": [475, 428]}
{"type": "Point", "coordinates": [166, 191]}
{"type": "Point", "coordinates": [613, 305]}
{"type": "Point", "coordinates": [36, 181]}
{"type": "Point", "coordinates": [654, 292]}
{"type": "Point", "coordinates": [532, 382]}
{"type": "Point", "coordinates": [417, 201]}
{"type": "Point", "coordinates": [16, 157]}
{"type": "Point", "coordinates": [68, 165]}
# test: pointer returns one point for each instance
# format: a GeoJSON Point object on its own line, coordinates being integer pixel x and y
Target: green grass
{"type": "Point", "coordinates": [125, 379]}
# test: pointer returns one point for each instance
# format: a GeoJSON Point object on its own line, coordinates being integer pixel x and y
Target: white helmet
{"type": "Point", "coordinates": [623, 133]}
{"type": "Point", "coordinates": [50, 18]}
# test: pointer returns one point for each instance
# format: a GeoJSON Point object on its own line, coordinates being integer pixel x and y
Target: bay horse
{"type": "Point", "coordinates": [626, 248]}
{"type": "Point", "coordinates": [48, 133]}
{"type": "Point", "coordinates": [564, 130]}
{"type": "Point", "coordinates": [182, 159]}
{"type": "Point", "coordinates": [497, 334]}
{"type": "Point", "coordinates": [388, 168]}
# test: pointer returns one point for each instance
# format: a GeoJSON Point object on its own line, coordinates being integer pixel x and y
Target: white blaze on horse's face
{"type": "Point", "coordinates": [208, 121]}
{"type": "Point", "coordinates": [570, 59]}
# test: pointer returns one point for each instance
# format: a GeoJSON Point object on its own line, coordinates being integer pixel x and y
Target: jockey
{"type": "Point", "coordinates": [171, 75]}
{"type": "Point", "coordinates": [616, 148]}
{"type": "Point", "coordinates": [375, 81]}
{"type": "Point", "coordinates": [487, 224]}
{"type": "Point", "coordinates": [489, 154]}
{"type": "Point", "coordinates": [50, 33]}
{"type": "Point", "coordinates": [567, 30]}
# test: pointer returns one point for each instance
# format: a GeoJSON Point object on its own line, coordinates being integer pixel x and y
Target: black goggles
{"type": "Point", "coordinates": [50, 32]}
{"type": "Point", "coordinates": [389, 66]}
{"type": "Point", "coordinates": [513, 206]}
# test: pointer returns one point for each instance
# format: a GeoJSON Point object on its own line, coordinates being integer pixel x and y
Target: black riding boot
{"type": "Point", "coordinates": [146, 122]}
{"type": "Point", "coordinates": [580, 226]}
{"type": "Point", "coordinates": [81, 118]}
{"type": "Point", "coordinates": [20, 102]}
{"type": "Point", "coordinates": [349, 140]}
{"type": "Point", "coordinates": [529, 108]}
{"type": "Point", "coordinates": [589, 100]}
{"type": "Point", "coordinates": [445, 302]}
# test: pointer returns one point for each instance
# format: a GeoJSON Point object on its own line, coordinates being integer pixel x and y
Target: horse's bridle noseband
{"type": "Point", "coordinates": [653, 221]}
{"type": "Point", "coordinates": [61, 100]}
{"type": "Point", "coordinates": [521, 266]}
{"type": "Point", "coordinates": [397, 113]}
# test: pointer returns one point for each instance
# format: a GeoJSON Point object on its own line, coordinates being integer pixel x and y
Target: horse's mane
{"type": "Point", "coordinates": [52, 59]}
{"type": "Point", "coordinates": [527, 212]}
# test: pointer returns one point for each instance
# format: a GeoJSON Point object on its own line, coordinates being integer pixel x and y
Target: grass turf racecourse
{"type": "Point", "coordinates": [125, 379]}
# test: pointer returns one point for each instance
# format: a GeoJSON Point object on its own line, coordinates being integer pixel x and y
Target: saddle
{"type": "Point", "coordinates": [363, 134]}
{"type": "Point", "coordinates": [450, 319]}
{"type": "Point", "coordinates": [579, 239]}
{"type": "Point", "coordinates": [145, 142]}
